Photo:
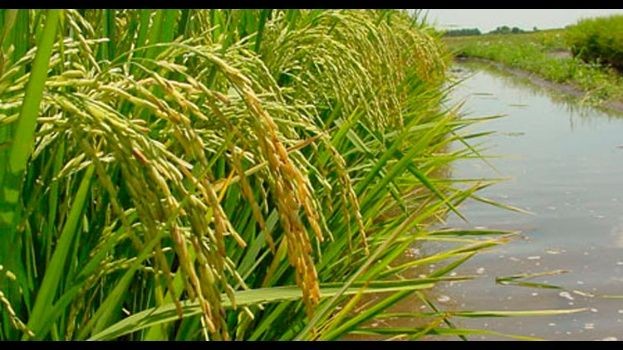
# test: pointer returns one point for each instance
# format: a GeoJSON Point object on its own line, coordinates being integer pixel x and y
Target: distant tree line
{"type": "Point", "coordinates": [463, 32]}
{"type": "Point", "coordinates": [507, 30]}
{"type": "Point", "coordinates": [476, 31]}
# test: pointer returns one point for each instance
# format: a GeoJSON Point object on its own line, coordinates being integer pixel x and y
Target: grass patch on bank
{"type": "Point", "coordinates": [546, 54]}
{"type": "Point", "coordinates": [598, 40]}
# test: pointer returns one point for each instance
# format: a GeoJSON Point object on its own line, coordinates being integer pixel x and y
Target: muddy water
{"type": "Point", "coordinates": [565, 165]}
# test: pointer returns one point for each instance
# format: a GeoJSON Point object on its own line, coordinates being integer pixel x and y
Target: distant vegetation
{"type": "Point", "coordinates": [598, 40]}
{"type": "Point", "coordinates": [476, 31]}
{"type": "Point", "coordinates": [545, 53]}
{"type": "Point", "coordinates": [463, 32]}
{"type": "Point", "coordinates": [507, 30]}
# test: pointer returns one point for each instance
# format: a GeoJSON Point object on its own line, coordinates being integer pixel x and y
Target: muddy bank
{"type": "Point", "coordinates": [568, 89]}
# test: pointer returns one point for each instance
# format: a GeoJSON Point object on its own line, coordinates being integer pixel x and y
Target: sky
{"type": "Point", "coordinates": [489, 19]}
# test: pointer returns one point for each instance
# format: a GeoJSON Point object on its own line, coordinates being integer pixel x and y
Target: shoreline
{"type": "Point", "coordinates": [565, 88]}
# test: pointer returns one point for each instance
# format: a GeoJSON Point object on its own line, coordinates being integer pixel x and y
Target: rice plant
{"type": "Point", "coordinates": [221, 174]}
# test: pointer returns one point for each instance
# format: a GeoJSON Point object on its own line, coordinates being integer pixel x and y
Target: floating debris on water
{"type": "Point", "coordinates": [584, 294]}
{"type": "Point", "coordinates": [553, 251]}
{"type": "Point", "coordinates": [480, 270]}
{"type": "Point", "coordinates": [536, 257]}
{"type": "Point", "coordinates": [551, 324]}
{"type": "Point", "coordinates": [566, 295]}
{"type": "Point", "coordinates": [589, 326]}
{"type": "Point", "coordinates": [412, 252]}
{"type": "Point", "coordinates": [534, 294]}
{"type": "Point", "coordinates": [443, 298]}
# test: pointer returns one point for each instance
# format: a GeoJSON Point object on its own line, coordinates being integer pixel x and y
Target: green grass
{"type": "Point", "coordinates": [598, 40]}
{"type": "Point", "coordinates": [215, 174]}
{"type": "Point", "coordinates": [546, 54]}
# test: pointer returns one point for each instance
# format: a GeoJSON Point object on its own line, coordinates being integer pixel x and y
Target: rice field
{"type": "Point", "coordinates": [227, 175]}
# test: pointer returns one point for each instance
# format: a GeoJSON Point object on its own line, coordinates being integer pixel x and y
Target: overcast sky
{"type": "Point", "coordinates": [488, 19]}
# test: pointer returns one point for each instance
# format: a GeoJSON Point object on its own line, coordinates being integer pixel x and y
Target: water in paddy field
{"type": "Point", "coordinates": [565, 165]}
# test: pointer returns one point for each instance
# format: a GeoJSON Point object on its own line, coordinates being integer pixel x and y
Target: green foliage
{"type": "Point", "coordinates": [462, 32]}
{"type": "Point", "coordinates": [544, 53]}
{"type": "Point", "coordinates": [217, 174]}
{"type": "Point", "coordinates": [598, 40]}
{"type": "Point", "coordinates": [507, 30]}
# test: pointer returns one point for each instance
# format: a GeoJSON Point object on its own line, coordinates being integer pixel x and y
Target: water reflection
{"type": "Point", "coordinates": [566, 167]}
{"type": "Point", "coordinates": [569, 103]}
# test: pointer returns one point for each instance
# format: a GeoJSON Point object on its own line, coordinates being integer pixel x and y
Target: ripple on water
{"type": "Point", "coordinates": [576, 211]}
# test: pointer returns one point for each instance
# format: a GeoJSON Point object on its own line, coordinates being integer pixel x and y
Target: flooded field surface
{"type": "Point", "coordinates": [565, 166]}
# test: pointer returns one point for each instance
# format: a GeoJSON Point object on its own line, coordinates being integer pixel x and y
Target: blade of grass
{"type": "Point", "coordinates": [167, 313]}
{"type": "Point", "coordinates": [53, 272]}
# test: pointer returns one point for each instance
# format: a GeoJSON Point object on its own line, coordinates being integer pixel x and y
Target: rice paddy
{"type": "Point", "coordinates": [229, 175]}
